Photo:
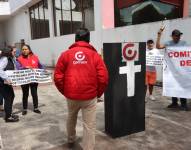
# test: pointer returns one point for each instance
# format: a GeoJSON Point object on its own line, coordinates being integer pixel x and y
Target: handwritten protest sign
{"type": "Point", "coordinates": [154, 59]}
{"type": "Point", "coordinates": [20, 77]}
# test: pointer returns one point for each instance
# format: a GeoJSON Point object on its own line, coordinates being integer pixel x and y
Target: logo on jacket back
{"type": "Point", "coordinates": [80, 58]}
{"type": "Point", "coordinates": [33, 62]}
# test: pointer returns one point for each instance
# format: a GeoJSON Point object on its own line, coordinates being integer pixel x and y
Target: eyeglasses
{"type": "Point", "coordinates": [25, 49]}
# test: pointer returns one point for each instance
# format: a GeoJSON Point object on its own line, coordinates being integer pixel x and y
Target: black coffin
{"type": "Point", "coordinates": [124, 114]}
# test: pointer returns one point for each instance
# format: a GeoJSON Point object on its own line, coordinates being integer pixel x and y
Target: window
{"type": "Point", "coordinates": [39, 20]}
{"type": "Point", "coordinates": [128, 12]}
{"type": "Point", "coordinates": [70, 15]}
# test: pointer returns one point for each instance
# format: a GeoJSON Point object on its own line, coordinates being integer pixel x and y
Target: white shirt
{"type": "Point", "coordinates": [3, 64]}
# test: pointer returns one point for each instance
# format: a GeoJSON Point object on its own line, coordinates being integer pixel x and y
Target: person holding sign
{"type": "Point", "coordinates": [7, 63]}
{"type": "Point", "coordinates": [81, 76]}
{"type": "Point", "coordinates": [151, 70]}
{"type": "Point", "coordinates": [175, 42]}
{"type": "Point", "coordinates": [28, 60]}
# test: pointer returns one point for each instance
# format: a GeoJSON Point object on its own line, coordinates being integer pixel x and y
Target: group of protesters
{"type": "Point", "coordinates": [80, 75]}
{"type": "Point", "coordinates": [151, 70]}
{"type": "Point", "coordinates": [9, 61]}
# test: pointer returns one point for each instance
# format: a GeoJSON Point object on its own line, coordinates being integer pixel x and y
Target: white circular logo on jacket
{"type": "Point", "coordinates": [33, 62]}
{"type": "Point", "coordinates": [79, 56]}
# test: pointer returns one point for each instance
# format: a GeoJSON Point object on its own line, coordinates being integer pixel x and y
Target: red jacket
{"type": "Point", "coordinates": [30, 61]}
{"type": "Point", "coordinates": [80, 73]}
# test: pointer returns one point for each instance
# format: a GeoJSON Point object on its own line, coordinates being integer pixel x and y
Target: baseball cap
{"type": "Point", "coordinates": [176, 32]}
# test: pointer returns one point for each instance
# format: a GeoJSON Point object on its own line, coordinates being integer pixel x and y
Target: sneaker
{"type": "Point", "coordinates": [15, 116]}
{"type": "Point", "coordinates": [173, 105]}
{"type": "Point", "coordinates": [37, 111]}
{"type": "Point", "coordinates": [1, 108]}
{"type": "Point", "coordinates": [24, 112]}
{"type": "Point", "coordinates": [151, 97]}
{"type": "Point", "coordinates": [11, 119]}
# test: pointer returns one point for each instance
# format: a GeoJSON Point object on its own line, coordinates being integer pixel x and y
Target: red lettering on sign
{"type": "Point", "coordinates": [183, 54]}
{"type": "Point", "coordinates": [170, 54]}
{"type": "Point", "coordinates": [179, 54]}
{"type": "Point", "coordinates": [176, 54]}
{"type": "Point", "coordinates": [188, 62]}
{"type": "Point", "coordinates": [184, 63]}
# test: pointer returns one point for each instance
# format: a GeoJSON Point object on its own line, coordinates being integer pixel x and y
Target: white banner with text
{"type": "Point", "coordinates": [177, 72]}
{"type": "Point", "coordinates": [154, 58]}
{"type": "Point", "coordinates": [21, 77]}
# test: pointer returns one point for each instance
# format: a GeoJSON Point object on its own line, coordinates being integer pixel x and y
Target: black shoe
{"type": "Point", "coordinates": [37, 111]}
{"type": "Point", "coordinates": [11, 119]}
{"type": "Point", "coordinates": [24, 112]}
{"type": "Point", "coordinates": [184, 108]}
{"type": "Point", "coordinates": [173, 105]}
{"type": "Point", "coordinates": [71, 145]}
{"type": "Point", "coordinates": [15, 116]}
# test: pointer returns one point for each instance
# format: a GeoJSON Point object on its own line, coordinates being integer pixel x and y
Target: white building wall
{"type": "Point", "coordinates": [2, 37]}
{"type": "Point", "coordinates": [190, 7]}
{"type": "Point", "coordinates": [4, 8]}
{"type": "Point", "coordinates": [17, 28]}
{"type": "Point", "coordinates": [53, 46]}
{"type": "Point", "coordinates": [17, 4]}
{"type": "Point", "coordinates": [142, 32]}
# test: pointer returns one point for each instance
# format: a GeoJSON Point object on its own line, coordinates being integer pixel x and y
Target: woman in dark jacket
{"type": "Point", "coordinates": [7, 63]}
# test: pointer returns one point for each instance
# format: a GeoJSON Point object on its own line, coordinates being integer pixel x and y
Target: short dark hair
{"type": "Point", "coordinates": [6, 52]}
{"type": "Point", "coordinates": [82, 34]}
{"type": "Point", "coordinates": [150, 41]}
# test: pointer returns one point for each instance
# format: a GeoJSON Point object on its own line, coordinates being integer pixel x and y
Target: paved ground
{"type": "Point", "coordinates": [165, 129]}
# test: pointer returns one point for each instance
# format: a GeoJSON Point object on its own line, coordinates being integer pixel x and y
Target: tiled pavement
{"type": "Point", "coordinates": [165, 129]}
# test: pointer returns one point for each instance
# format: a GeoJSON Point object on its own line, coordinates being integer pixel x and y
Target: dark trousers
{"type": "Point", "coordinates": [8, 95]}
{"type": "Point", "coordinates": [183, 101]}
{"type": "Point", "coordinates": [1, 99]}
{"type": "Point", "coordinates": [25, 89]}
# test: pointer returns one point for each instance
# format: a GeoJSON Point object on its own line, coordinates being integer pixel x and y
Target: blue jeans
{"type": "Point", "coordinates": [1, 99]}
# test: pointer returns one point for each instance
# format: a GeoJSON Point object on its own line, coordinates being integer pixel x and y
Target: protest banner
{"type": "Point", "coordinates": [154, 59]}
{"type": "Point", "coordinates": [21, 77]}
{"type": "Point", "coordinates": [177, 72]}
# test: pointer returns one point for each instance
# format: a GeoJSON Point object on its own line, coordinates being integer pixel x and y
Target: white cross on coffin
{"type": "Point", "coordinates": [130, 69]}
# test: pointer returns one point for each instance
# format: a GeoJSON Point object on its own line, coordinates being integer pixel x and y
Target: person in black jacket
{"type": "Point", "coordinates": [7, 63]}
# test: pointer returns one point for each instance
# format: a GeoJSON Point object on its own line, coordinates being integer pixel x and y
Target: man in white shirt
{"type": "Point", "coordinates": [151, 70]}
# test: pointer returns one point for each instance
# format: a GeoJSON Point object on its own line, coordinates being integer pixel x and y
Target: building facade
{"type": "Point", "coordinates": [48, 26]}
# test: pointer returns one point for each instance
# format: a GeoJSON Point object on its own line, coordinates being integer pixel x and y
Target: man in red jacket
{"type": "Point", "coordinates": [81, 76]}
